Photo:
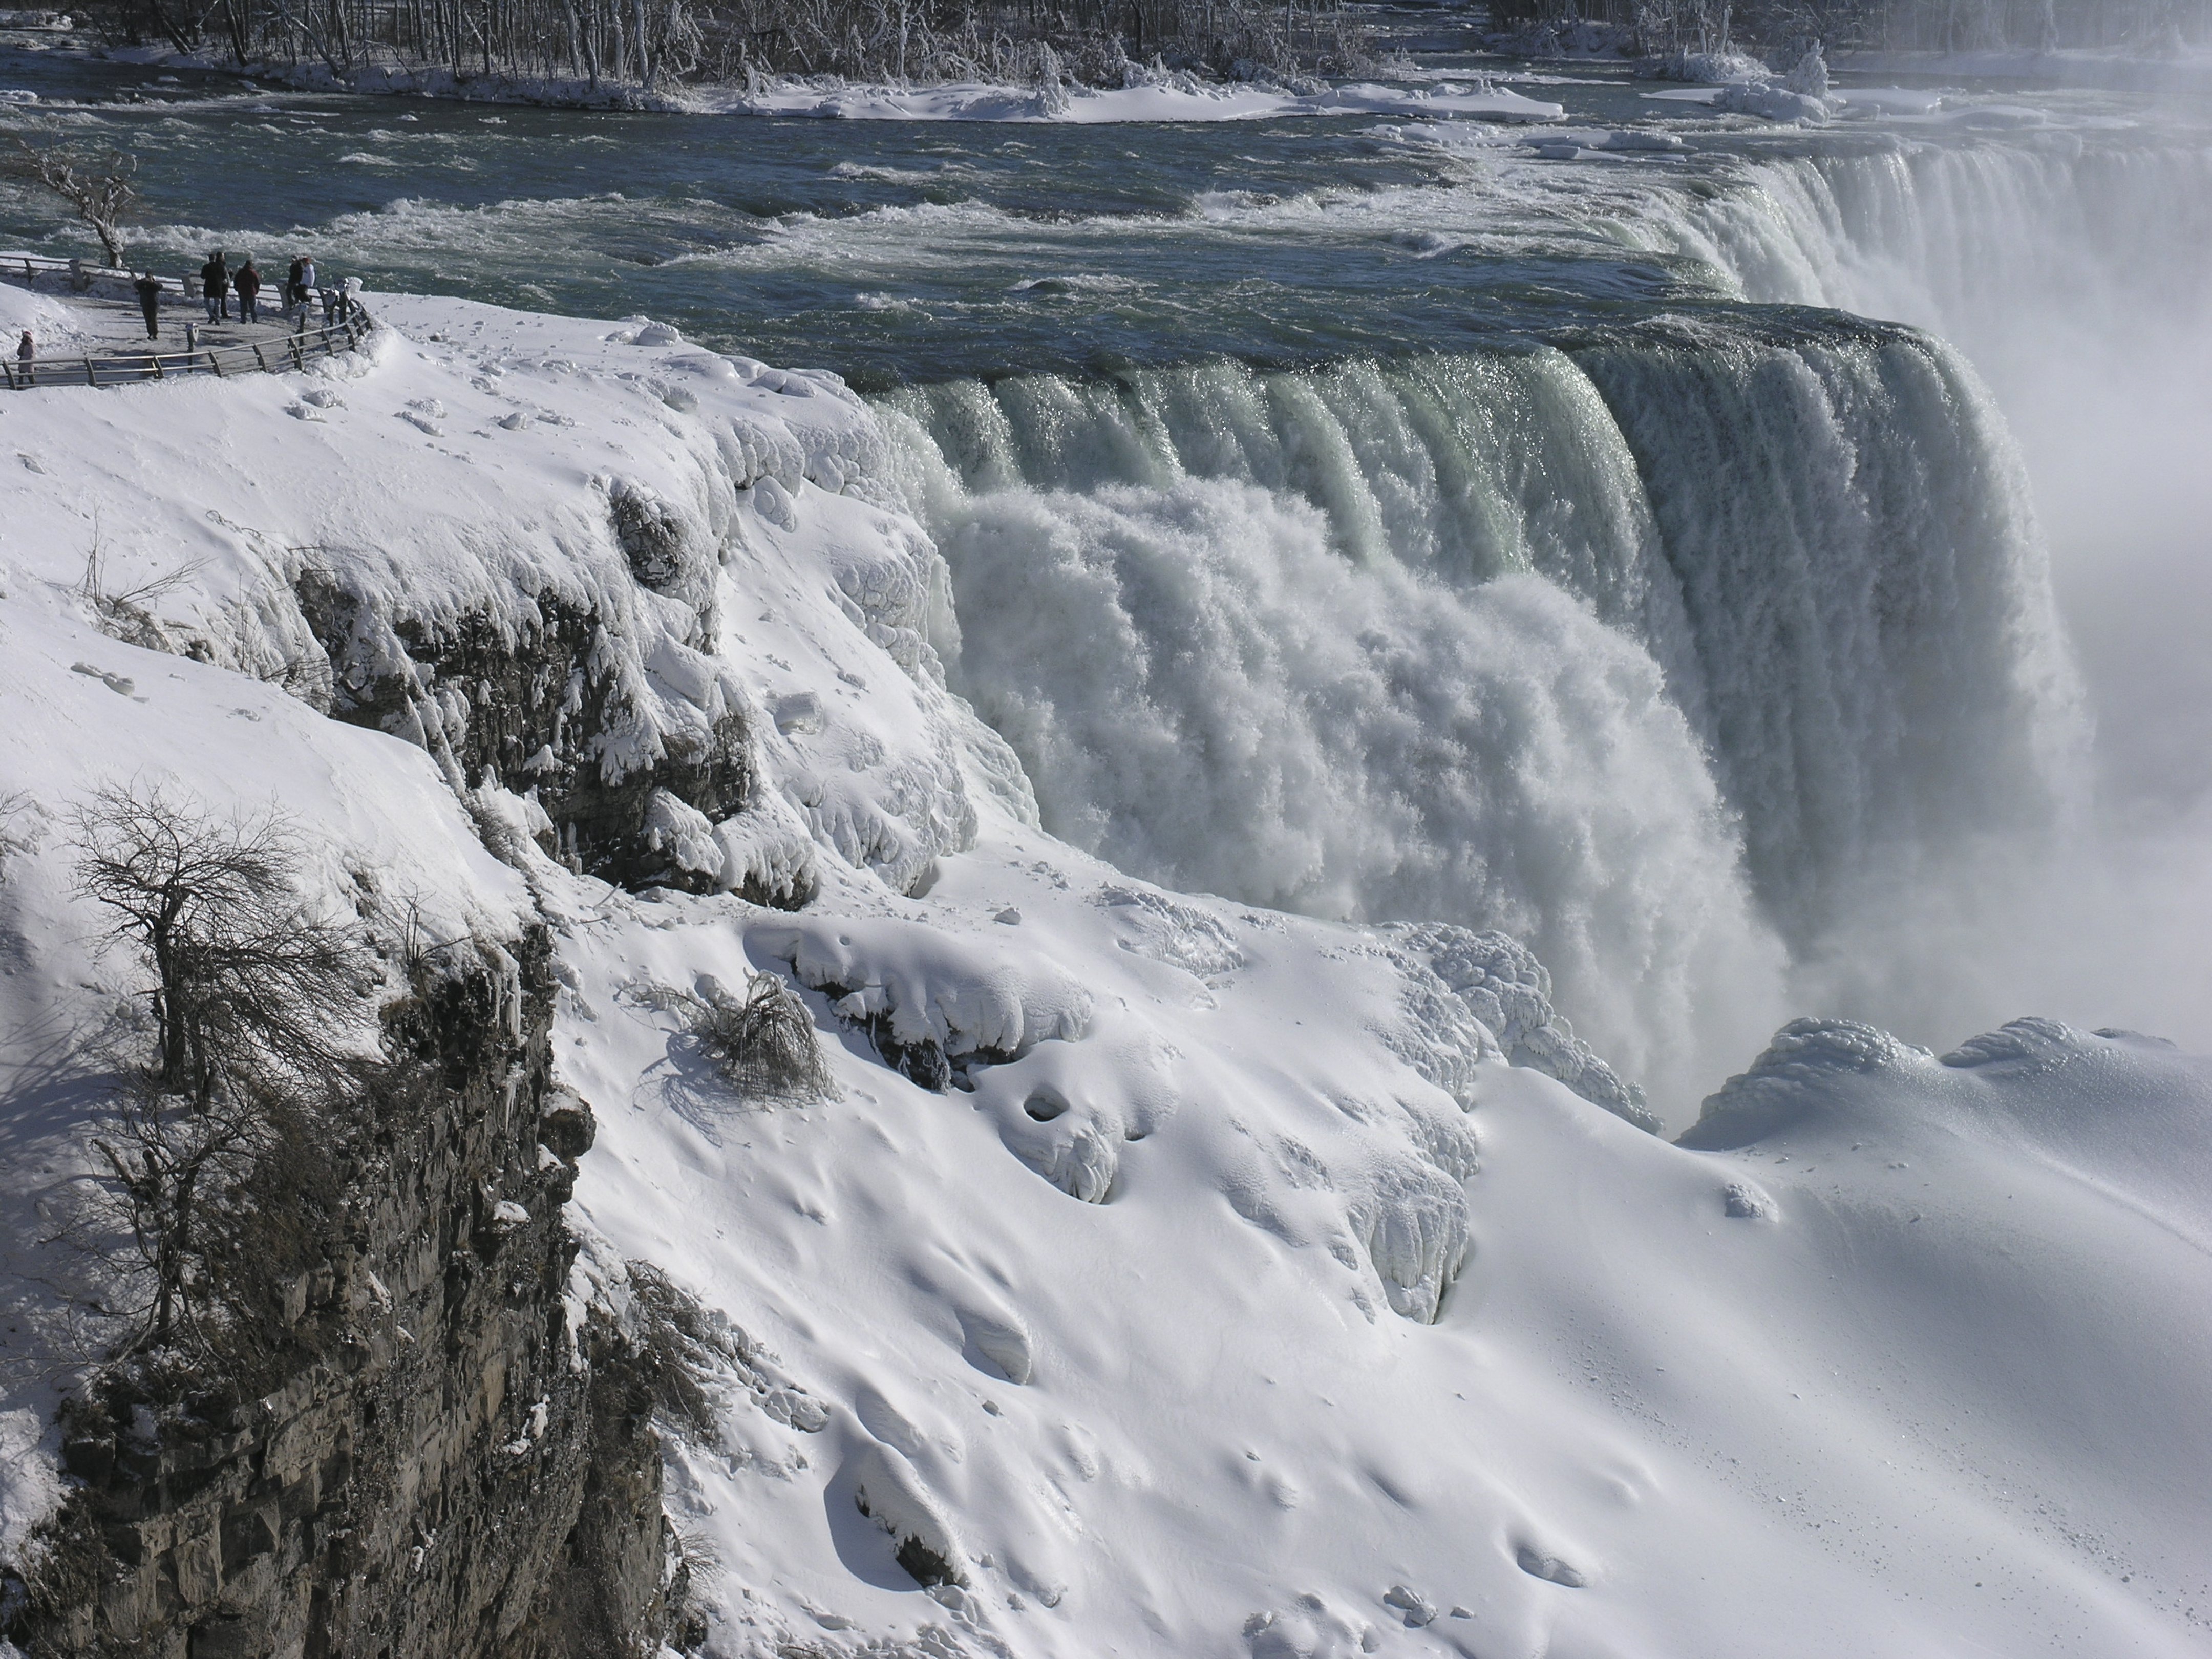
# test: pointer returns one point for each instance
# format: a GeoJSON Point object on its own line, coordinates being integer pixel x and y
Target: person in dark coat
{"type": "Point", "coordinates": [149, 288]}
{"type": "Point", "coordinates": [296, 287]}
{"type": "Point", "coordinates": [25, 353]}
{"type": "Point", "coordinates": [215, 286]}
{"type": "Point", "coordinates": [248, 283]}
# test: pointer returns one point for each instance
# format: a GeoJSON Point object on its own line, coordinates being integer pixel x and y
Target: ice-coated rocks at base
{"type": "Point", "coordinates": [1509, 992]}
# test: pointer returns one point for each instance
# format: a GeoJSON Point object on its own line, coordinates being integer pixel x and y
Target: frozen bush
{"type": "Point", "coordinates": [764, 1043]}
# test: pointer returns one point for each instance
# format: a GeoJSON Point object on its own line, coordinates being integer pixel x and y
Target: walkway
{"type": "Point", "coordinates": [109, 346]}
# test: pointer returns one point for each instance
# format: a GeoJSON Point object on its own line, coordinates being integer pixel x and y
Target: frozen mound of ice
{"type": "Point", "coordinates": [767, 853]}
{"type": "Point", "coordinates": [1504, 987]}
{"type": "Point", "coordinates": [1810, 78]}
{"type": "Point", "coordinates": [1798, 1068]}
{"type": "Point", "coordinates": [1773, 102]}
{"type": "Point", "coordinates": [1412, 1223]}
{"type": "Point", "coordinates": [2021, 1046]}
{"type": "Point", "coordinates": [929, 998]}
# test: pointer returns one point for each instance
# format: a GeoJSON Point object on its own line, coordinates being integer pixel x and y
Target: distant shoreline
{"type": "Point", "coordinates": [1147, 96]}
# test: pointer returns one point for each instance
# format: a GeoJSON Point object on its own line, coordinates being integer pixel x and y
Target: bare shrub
{"type": "Point", "coordinates": [764, 1043]}
{"type": "Point", "coordinates": [127, 614]}
{"type": "Point", "coordinates": [682, 1350]}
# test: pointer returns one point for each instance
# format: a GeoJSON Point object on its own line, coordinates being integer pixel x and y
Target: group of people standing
{"type": "Point", "coordinates": [218, 283]}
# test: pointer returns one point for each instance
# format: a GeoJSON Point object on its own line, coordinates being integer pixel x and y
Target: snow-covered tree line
{"type": "Point", "coordinates": [1665, 25]}
{"type": "Point", "coordinates": [649, 43]}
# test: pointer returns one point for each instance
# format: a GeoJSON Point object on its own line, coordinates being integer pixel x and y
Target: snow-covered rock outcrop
{"type": "Point", "coordinates": [508, 548]}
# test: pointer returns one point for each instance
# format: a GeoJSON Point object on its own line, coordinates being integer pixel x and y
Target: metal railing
{"type": "Point", "coordinates": [273, 354]}
{"type": "Point", "coordinates": [78, 277]}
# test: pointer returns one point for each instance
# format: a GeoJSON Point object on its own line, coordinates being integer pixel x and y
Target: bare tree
{"type": "Point", "coordinates": [101, 190]}
{"type": "Point", "coordinates": [248, 978]}
{"type": "Point", "coordinates": [173, 1167]}
{"type": "Point", "coordinates": [258, 1005]}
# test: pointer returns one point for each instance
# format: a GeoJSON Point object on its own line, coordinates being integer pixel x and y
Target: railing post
{"type": "Point", "coordinates": [90, 379]}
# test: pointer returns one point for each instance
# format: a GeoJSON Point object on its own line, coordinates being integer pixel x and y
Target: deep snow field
{"type": "Point", "coordinates": [1276, 1298]}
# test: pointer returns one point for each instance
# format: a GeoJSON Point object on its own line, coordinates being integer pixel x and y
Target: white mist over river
{"type": "Point", "coordinates": [1383, 520]}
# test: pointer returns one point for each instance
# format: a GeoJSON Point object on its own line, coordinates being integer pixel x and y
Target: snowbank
{"type": "Point", "coordinates": [1221, 1289]}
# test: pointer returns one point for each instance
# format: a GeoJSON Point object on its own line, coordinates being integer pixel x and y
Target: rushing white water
{"type": "Point", "coordinates": [1867, 598]}
{"type": "Point", "coordinates": [2077, 282]}
{"type": "Point", "coordinates": [2074, 276]}
{"type": "Point", "coordinates": [1651, 650]}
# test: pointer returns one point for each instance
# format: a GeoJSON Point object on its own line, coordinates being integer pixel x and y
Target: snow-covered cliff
{"type": "Point", "coordinates": [1164, 1274]}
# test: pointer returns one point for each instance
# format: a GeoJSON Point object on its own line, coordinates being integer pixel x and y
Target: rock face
{"type": "Point", "coordinates": [537, 698]}
{"type": "Point", "coordinates": [464, 1471]}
